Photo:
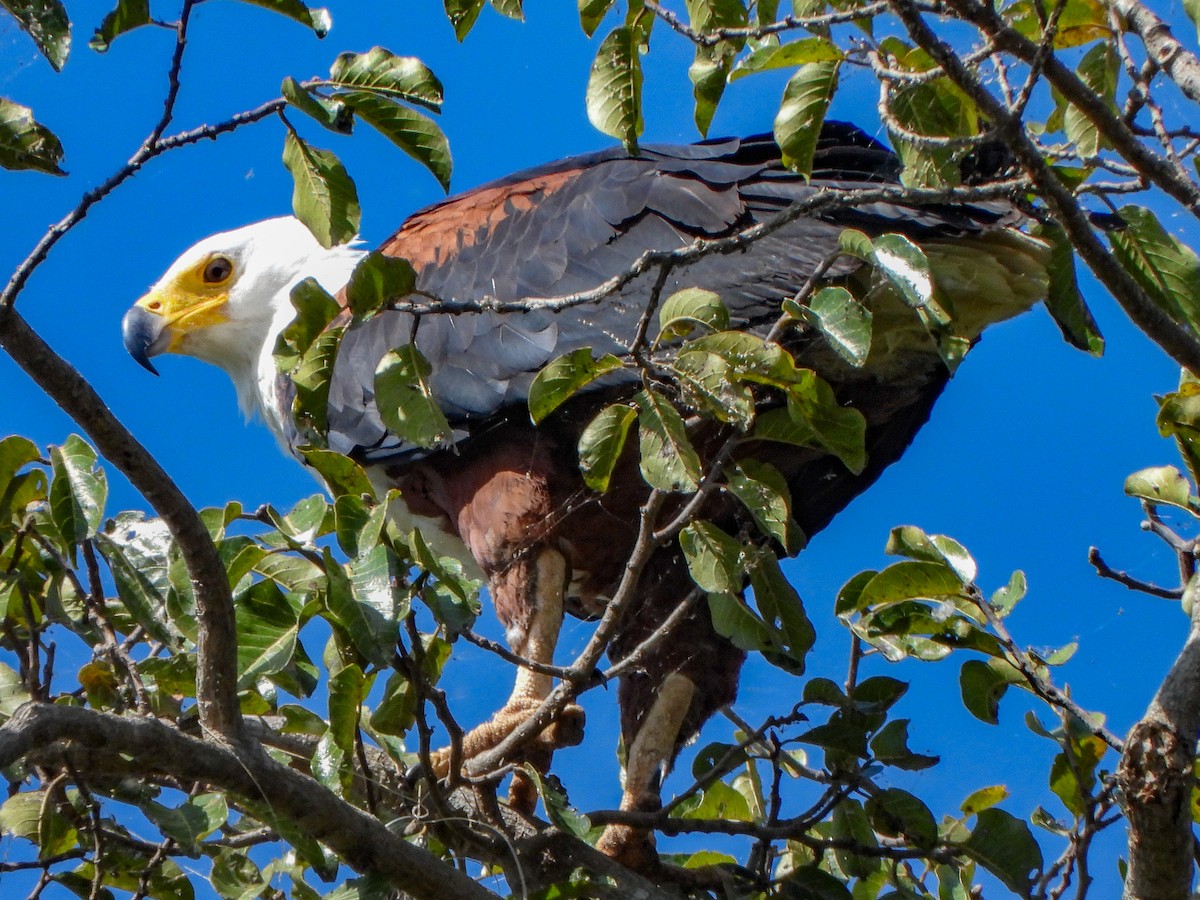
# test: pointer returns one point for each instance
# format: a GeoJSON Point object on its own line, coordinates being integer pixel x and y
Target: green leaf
{"type": "Point", "coordinates": [362, 601]}
{"type": "Point", "coordinates": [983, 684]}
{"type": "Point", "coordinates": [340, 473]}
{"type": "Point", "coordinates": [1167, 270]}
{"type": "Point", "coordinates": [453, 598]}
{"type": "Point", "coordinates": [405, 399]}
{"type": "Point", "coordinates": [380, 71]}
{"type": "Point", "coordinates": [315, 309]}
{"type": "Point", "coordinates": [720, 801]}
{"type": "Point", "coordinates": [378, 280]}
{"type": "Point", "coordinates": [324, 198]}
{"type": "Point", "coordinates": [851, 823]}
{"type": "Point", "coordinates": [310, 409]}
{"type": "Point", "coordinates": [909, 580]}
{"type": "Point", "coordinates": [47, 23]}
{"type": "Point", "coordinates": [562, 378]}
{"type": "Point", "coordinates": [235, 876]}
{"type": "Point", "coordinates": [315, 18]}
{"type": "Point", "coordinates": [907, 268]}
{"type": "Point", "coordinates": [1161, 484]}
{"type": "Point", "coordinates": [1063, 300]}
{"type": "Point", "coordinates": [1005, 598]}
{"type": "Point", "coordinates": [12, 692]}
{"type": "Point", "coordinates": [24, 143]}
{"type": "Point", "coordinates": [1099, 70]}
{"type": "Point", "coordinates": [267, 627]}
{"type": "Point", "coordinates": [591, 13]}
{"type": "Point", "coordinates": [511, 8]}
{"type": "Point", "coordinates": [844, 321]}
{"type": "Point", "coordinates": [708, 74]}
{"type": "Point", "coordinates": [685, 310]}
{"type": "Point", "coordinates": [816, 419]}
{"type": "Point", "coordinates": [614, 91]}
{"type": "Point", "coordinates": [410, 130]}
{"type": "Point", "coordinates": [733, 619]}
{"type": "Point", "coordinates": [128, 15]}
{"type": "Point", "coordinates": [78, 491]}
{"type": "Point", "coordinates": [805, 102]}
{"type": "Point", "coordinates": [781, 608]}
{"type": "Point", "coordinates": [714, 558]}
{"type": "Point", "coordinates": [812, 883]}
{"type": "Point", "coordinates": [764, 492]}
{"type": "Point", "coordinates": [462, 15]}
{"type": "Point", "coordinates": [1005, 847]}
{"type": "Point", "coordinates": [1179, 417]}
{"type": "Point", "coordinates": [194, 820]}
{"type": "Point", "coordinates": [668, 460]}
{"type": "Point", "coordinates": [897, 813]}
{"type": "Point", "coordinates": [357, 525]}
{"type": "Point", "coordinates": [143, 597]}
{"type": "Point", "coordinates": [784, 56]}
{"type": "Point", "coordinates": [708, 384]}
{"type": "Point", "coordinates": [601, 444]}
{"type": "Point", "coordinates": [910, 541]}
{"type": "Point", "coordinates": [890, 746]}
{"type": "Point", "coordinates": [332, 113]}
{"type": "Point", "coordinates": [559, 810]}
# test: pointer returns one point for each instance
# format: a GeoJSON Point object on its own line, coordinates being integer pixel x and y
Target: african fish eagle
{"type": "Point", "coordinates": [506, 497]}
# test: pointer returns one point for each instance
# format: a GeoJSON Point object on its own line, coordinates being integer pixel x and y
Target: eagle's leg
{"type": "Point", "coordinates": [683, 677]}
{"type": "Point", "coordinates": [528, 595]}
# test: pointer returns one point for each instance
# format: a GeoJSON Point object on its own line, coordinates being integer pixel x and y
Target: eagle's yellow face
{"type": "Point", "coordinates": [193, 298]}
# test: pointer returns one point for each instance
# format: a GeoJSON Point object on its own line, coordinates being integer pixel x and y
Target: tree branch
{"type": "Point", "coordinates": [364, 843]}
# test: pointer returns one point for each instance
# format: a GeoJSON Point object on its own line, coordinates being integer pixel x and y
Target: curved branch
{"type": "Point", "coordinates": [216, 678]}
{"type": "Point", "coordinates": [363, 842]}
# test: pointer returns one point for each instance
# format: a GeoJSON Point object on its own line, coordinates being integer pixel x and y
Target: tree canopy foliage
{"type": "Point", "coordinates": [249, 698]}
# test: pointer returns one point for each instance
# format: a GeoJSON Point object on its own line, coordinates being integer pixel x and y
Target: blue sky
{"type": "Point", "coordinates": [1023, 461]}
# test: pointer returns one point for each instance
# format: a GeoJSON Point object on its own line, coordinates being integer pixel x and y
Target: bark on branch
{"type": "Point", "coordinates": [363, 842]}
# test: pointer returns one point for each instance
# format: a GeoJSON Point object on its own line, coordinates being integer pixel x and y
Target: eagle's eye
{"type": "Point", "coordinates": [217, 270]}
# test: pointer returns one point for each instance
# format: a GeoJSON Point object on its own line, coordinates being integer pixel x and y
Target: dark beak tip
{"type": "Point", "coordinates": [140, 330]}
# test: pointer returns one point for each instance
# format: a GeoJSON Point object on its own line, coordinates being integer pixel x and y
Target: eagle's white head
{"type": "Point", "coordinates": [227, 298]}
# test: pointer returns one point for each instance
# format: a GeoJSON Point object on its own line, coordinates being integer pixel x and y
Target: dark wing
{"type": "Point", "coordinates": [567, 227]}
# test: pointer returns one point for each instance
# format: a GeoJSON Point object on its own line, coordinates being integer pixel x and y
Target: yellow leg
{"type": "Point", "coordinates": [649, 758]}
{"type": "Point", "coordinates": [540, 584]}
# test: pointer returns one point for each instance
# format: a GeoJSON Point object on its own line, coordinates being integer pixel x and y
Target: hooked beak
{"type": "Point", "coordinates": [145, 335]}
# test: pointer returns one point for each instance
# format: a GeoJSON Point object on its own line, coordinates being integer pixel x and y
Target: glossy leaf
{"type": "Point", "coordinates": [340, 473]}
{"type": "Point", "coordinates": [1161, 484]}
{"type": "Point", "coordinates": [47, 23]}
{"type": "Point", "coordinates": [190, 822]}
{"type": "Point", "coordinates": [562, 378]}
{"type": "Point", "coordinates": [782, 609]}
{"type": "Point", "coordinates": [332, 113]}
{"type": "Point", "coordinates": [844, 321]}
{"type": "Point", "coordinates": [78, 491]}
{"type": "Point", "coordinates": [983, 684]}
{"type": "Point", "coordinates": [784, 56]}
{"type": "Point", "coordinates": [909, 580]}
{"type": "Point", "coordinates": [1168, 270]}
{"type": "Point", "coordinates": [462, 15]}
{"type": "Point", "coordinates": [311, 377]}
{"type": "Point", "coordinates": [143, 596]}
{"type": "Point", "coordinates": [890, 746]}
{"type": "Point", "coordinates": [763, 490]}
{"type": "Point", "coordinates": [601, 444]}
{"type": "Point", "coordinates": [558, 807]}
{"type": "Point", "coordinates": [405, 399]}
{"type": "Point", "coordinates": [362, 600]}
{"type": "Point", "coordinates": [910, 541]}
{"type": "Point", "coordinates": [409, 129]}
{"type": "Point", "coordinates": [378, 280]}
{"type": "Point", "coordinates": [315, 18]}
{"type": "Point", "coordinates": [714, 558]}
{"type": "Point", "coordinates": [709, 384]}
{"type": "Point", "coordinates": [691, 308]}
{"type": "Point", "coordinates": [315, 309]}
{"type": "Point", "coordinates": [267, 628]}
{"type": "Point", "coordinates": [614, 91]}
{"type": "Point", "coordinates": [591, 13]}
{"type": "Point", "coordinates": [26, 144]}
{"type": "Point", "coordinates": [907, 268]}
{"type": "Point", "coordinates": [805, 101]}
{"type": "Point", "coordinates": [668, 460]}
{"type": "Point", "coordinates": [324, 196]}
